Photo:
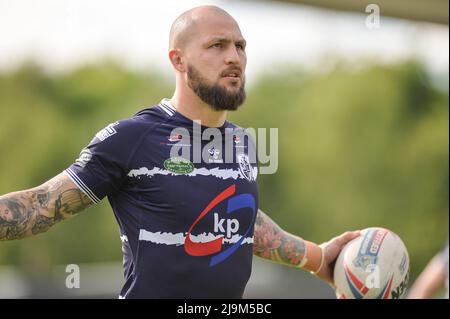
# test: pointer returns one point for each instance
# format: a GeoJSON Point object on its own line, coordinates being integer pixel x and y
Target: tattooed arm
{"type": "Point", "coordinates": [273, 243]}
{"type": "Point", "coordinates": [34, 211]}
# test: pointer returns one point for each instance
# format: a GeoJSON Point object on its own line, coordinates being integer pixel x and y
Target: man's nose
{"type": "Point", "coordinates": [232, 56]}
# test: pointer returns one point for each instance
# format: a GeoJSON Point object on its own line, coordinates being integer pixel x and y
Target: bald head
{"type": "Point", "coordinates": [184, 27]}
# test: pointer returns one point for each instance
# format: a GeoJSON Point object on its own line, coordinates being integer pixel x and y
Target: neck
{"type": "Point", "coordinates": [191, 106]}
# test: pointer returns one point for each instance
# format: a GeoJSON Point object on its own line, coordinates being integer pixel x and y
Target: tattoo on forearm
{"type": "Point", "coordinates": [273, 243]}
{"type": "Point", "coordinates": [34, 211]}
{"type": "Point", "coordinates": [14, 217]}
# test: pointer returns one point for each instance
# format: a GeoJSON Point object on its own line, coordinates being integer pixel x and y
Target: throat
{"type": "Point", "coordinates": [201, 112]}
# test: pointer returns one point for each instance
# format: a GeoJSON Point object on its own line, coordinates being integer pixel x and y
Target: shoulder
{"type": "Point", "coordinates": [118, 140]}
{"type": "Point", "coordinates": [130, 129]}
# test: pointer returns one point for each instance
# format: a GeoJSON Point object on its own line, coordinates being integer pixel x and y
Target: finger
{"type": "Point", "coordinates": [347, 236]}
{"type": "Point", "coordinates": [354, 234]}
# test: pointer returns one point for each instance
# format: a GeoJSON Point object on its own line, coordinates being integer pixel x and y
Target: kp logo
{"type": "Point", "coordinates": [215, 246]}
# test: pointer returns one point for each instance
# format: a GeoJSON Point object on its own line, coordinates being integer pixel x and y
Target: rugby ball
{"type": "Point", "coordinates": [374, 265]}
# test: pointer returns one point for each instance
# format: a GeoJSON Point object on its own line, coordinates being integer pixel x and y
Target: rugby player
{"type": "Point", "coordinates": [189, 228]}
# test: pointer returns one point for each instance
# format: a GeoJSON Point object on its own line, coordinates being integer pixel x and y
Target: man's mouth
{"type": "Point", "coordinates": [231, 74]}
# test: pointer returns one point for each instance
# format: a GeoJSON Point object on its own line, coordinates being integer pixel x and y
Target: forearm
{"type": "Point", "coordinates": [273, 243]}
{"type": "Point", "coordinates": [430, 280]}
{"type": "Point", "coordinates": [34, 211]}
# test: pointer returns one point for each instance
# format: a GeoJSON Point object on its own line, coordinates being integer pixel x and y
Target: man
{"type": "Point", "coordinates": [186, 226]}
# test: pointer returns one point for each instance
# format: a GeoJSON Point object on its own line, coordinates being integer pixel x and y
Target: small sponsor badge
{"type": "Point", "coordinates": [245, 167]}
{"type": "Point", "coordinates": [178, 165]}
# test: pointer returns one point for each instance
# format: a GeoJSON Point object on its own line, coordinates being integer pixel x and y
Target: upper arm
{"type": "Point", "coordinates": [60, 197]}
{"type": "Point", "coordinates": [35, 210]}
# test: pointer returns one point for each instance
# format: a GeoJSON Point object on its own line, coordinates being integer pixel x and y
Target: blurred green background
{"type": "Point", "coordinates": [357, 148]}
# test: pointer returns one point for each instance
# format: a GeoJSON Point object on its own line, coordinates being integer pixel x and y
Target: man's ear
{"type": "Point", "coordinates": [177, 60]}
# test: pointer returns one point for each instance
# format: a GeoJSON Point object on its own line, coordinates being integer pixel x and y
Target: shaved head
{"type": "Point", "coordinates": [184, 27]}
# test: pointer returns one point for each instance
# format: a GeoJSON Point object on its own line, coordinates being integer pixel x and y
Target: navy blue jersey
{"type": "Point", "coordinates": [186, 225]}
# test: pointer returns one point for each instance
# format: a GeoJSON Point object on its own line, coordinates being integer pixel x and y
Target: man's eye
{"type": "Point", "coordinates": [240, 46]}
{"type": "Point", "coordinates": [217, 45]}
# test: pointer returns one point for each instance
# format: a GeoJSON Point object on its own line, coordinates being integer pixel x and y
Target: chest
{"type": "Point", "coordinates": [182, 186]}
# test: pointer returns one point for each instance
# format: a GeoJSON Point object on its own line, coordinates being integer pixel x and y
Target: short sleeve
{"type": "Point", "coordinates": [102, 166]}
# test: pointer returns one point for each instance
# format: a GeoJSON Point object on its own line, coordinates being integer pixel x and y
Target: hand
{"type": "Point", "coordinates": [331, 250]}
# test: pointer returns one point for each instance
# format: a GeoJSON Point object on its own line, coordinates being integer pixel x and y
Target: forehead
{"type": "Point", "coordinates": [210, 28]}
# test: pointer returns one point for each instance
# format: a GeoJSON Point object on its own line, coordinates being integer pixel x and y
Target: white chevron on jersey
{"type": "Point", "coordinates": [166, 238]}
{"type": "Point", "coordinates": [216, 172]}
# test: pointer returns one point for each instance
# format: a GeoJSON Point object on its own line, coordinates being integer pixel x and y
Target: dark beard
{"type": "Point", "coordinates": [218, 97]}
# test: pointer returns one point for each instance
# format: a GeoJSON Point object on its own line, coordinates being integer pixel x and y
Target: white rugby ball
{"type": "Point", "coordinates": [374, 265]}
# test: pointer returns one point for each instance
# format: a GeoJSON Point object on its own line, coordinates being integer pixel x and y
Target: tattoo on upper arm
{"type": "Point", "coordinates": [273, 243]}
{"type": "Point", "coordinates": [70, 202]}
{"type": "Point", "coordinates": [43, 199]}
{"type": "Point", "coordinates": [35, 211]}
